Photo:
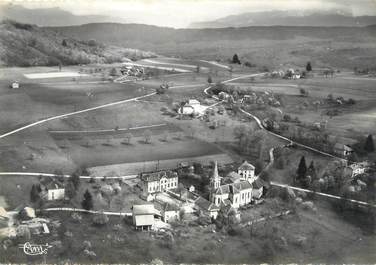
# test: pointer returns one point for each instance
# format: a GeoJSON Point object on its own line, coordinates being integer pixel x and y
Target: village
{"type": "Point", "coordinates": [157, 158]}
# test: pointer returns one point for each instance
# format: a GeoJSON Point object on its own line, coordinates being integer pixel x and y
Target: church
{"type": "Point", "coordinates": [238, 191]}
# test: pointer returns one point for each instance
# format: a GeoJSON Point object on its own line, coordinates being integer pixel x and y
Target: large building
{"type": "Point", "coordinates": [239, 191]}
{"type": "Point", "coordinates": [158, 181]}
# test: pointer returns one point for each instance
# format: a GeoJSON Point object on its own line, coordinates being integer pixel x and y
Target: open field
{"type": "Point", "coordinates": [148, 166]}
{"type": "Point", "coordinates": [35, 101]}
{"type": "Point", "coordinates": [105, 151]}
{"type": "Point", "coordinates": [354, 120]}
{"type": "Point", "coordinates": [101, 153]}
{"type": "Point", "coordinates": [15, 191]}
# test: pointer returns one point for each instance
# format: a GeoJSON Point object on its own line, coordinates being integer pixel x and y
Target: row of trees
{"type": "Point", "coordinates": [147, 138]}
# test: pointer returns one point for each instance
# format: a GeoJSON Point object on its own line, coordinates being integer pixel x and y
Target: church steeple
{"type": "Point", "coordinates": [215, 180]}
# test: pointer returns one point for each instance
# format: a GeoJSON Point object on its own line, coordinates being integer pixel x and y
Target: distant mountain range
{"type": "Point", "coordinates": [331, 18]}
{"type": "Point", "coordinates": [50, 16]}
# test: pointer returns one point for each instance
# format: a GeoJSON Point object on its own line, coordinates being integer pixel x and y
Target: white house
{"type": "Point", "coordinates": [52, 189]}
{"type": "Point", "coordinates": [192, 107]}
{"type": "Point", "coordinates": [193, 102]}
{"type": "Point", "coordinates": [168, 211]}
{"type": "Point", "coordinates": [55, 191]}
{"type": "Point", "coordinates": [247, 171]}
{"type": "Point", "coordinates": [15, 84]}
{"type": "Point", "coordinates": [158, 181]}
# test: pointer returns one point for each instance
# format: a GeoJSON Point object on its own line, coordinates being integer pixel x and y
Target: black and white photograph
{"type": "Point", "coordinates": [187, 132]}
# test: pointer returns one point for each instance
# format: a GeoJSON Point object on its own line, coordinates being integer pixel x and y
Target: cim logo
{"type": "Point", "coordinates": [34, 249]}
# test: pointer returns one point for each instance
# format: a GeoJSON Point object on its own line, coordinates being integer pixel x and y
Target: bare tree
{"type": "Point", "coordinates": [128, 137]}
{"type": "Point", "coordinates": [165, 136]}
{"type": "Point", "coordinates": [147, 136]}
{"type": "Point", "coordinates": [179, 135]}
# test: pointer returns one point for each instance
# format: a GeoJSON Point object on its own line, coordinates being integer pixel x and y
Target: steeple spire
{"type": "Point", "coordinates": [215, 171]}
{"type": "Point", "coordinates": [215, 180]}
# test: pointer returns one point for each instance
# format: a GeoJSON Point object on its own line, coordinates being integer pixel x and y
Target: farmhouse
{"type": "Point", "coordinates": [247, 171]}
{"type": "Point", "coordinates": [143, 216]}
{"type": "Point", "coordinates": [342, 149]}
{"type": "Point", "coordinates": [192, 107]}
{"type": "Point", "coordinates": [52, 189]}
{"type": "Point", "coordinates": [158, 181]}
{"type": "Point", "coordinates": [168, 211]}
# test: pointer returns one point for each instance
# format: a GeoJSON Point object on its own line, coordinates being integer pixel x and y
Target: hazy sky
{"type": "Point", "coordinates": [180, 13]}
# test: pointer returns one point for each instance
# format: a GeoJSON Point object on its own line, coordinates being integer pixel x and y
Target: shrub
{"type": "Point", "coordinates": [100, 219]}
{"type": "Point", "coordinates": [286, 117]}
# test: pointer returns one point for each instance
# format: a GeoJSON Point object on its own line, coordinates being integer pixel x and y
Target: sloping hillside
{"type": "Point", "coordinates": [342, 47]}
{"type": "Point", "coordinates": [28, 45]}
{"type": "Point", "coordinates": [49, 16]}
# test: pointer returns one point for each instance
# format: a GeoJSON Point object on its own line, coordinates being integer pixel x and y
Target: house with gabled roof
{"type": "Point", "coordinates": [206, 207]}
{"type": "Point", "coordinates": [169, 212]}
{"type": "Point", "coordinates": [52, 189]}
{"type": "Point", "coordinates": [159, 181]}
{"type": "Point", "coordinates": [247, 171]}
{"type": "Point", "coordinates": [258, 188]}
{"type": "Point", "coordinates": [342, 149]}
{"type": "Point", "coordinates": [143, 216]}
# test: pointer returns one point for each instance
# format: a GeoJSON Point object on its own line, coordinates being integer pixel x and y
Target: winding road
{"type": "Point", "coordinates": [258, 121]}
{"type": "Point", "coordinates": [271, 153]}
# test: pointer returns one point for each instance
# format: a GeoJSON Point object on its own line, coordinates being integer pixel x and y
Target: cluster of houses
{"type": "Point", "coordinates": [131, 70]}
{"type": "Point", "coordinates": [288, 74]}
{"type": "Point", "coordinates": [234, 191]}
{"type": "Point", "coordinates": [20, 221]}
{"type": "Point", "coordinates": [253, 98]}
